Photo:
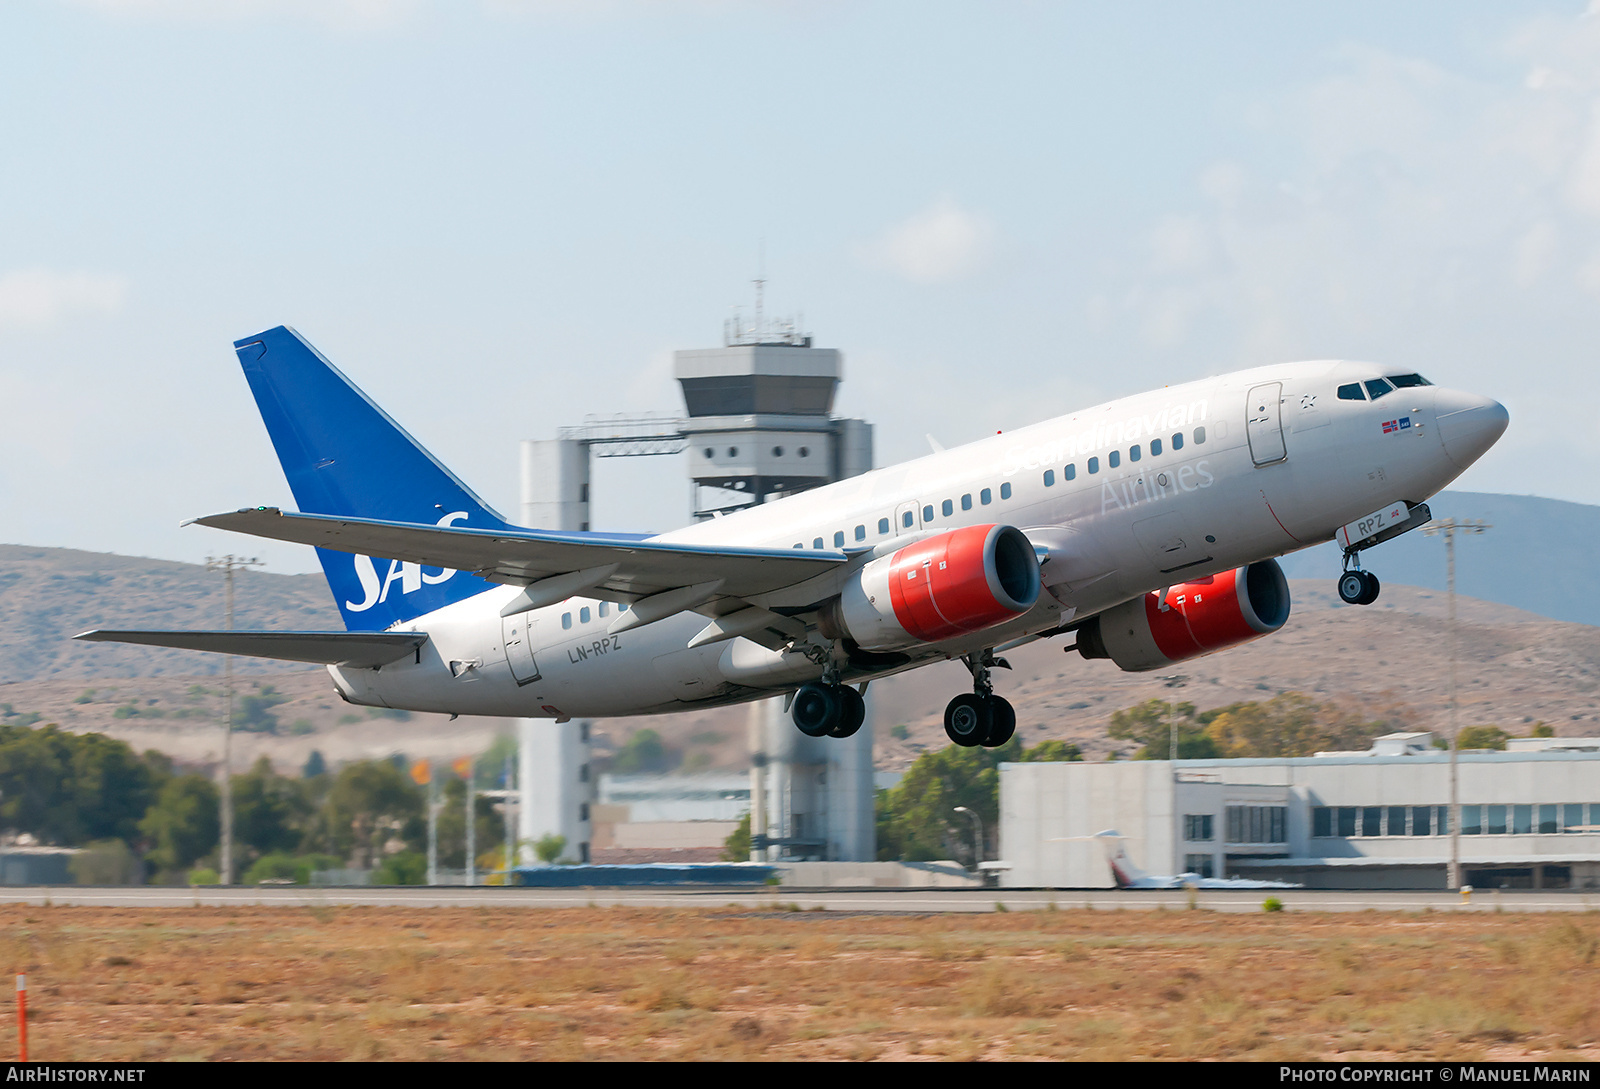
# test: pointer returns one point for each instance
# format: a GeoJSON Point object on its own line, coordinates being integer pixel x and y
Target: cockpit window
{"type": "Point", "coordinates": [1377, 387]}
{"type": "Point", "coordinates": [1406, 381]}
{"type": "Point", "coordinates": [1352, 392]}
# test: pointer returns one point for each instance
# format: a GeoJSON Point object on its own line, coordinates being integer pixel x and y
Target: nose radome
{"type": "Point", "coordinates": [1469, 424]}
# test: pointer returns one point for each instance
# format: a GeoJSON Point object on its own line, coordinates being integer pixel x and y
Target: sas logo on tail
{"type": "Point", "coordinates": [412, 576]}
{"type": "Point", "coordinates": [1392, 426]}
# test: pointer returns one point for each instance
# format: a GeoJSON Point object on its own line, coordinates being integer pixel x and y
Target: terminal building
{"type": "Point", "coordinates": [1530, 817]}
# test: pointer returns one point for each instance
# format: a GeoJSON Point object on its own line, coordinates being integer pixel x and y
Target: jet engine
{"type": "Point", "coordinates": [937, 588]}
{"type": "Point", "coordinates": [1189, 620]}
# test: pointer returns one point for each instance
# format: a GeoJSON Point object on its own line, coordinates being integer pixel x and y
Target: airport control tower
{"type": "Point", "coordinates": [759, 424]}
{"type": "Point", "coordinates": [758, 427]}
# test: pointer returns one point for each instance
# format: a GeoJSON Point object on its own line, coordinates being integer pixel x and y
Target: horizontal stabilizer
{"type": "Point", "coordinates": [521, 557]}
{"type": "Point", "coordinates": [360, 649]}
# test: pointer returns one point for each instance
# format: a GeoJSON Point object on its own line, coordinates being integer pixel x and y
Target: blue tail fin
{"type": "Point", "coordinates": [343, 455]}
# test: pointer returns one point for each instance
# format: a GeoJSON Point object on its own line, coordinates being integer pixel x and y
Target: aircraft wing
{"type": "Point", "coordinates": [523, 557]}
{"type": "Point", "coordinates": [348, 648]}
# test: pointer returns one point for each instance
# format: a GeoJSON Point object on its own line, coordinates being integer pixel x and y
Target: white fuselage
{"type": "Point", "coordinates": [1226, 498]}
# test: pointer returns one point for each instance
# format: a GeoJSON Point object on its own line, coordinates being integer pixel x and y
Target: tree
{"type": "Point", "coordinates": [70, 788]}
{"type": "Point", "coordinates": [1288, 725]}
{"type": "Point", "coordinates": [549, 847]}
{"type": "Point", "coordinates": [402, 868]}
{"type": "Point", "coordinates": [105, 862]}
{"type": "Point", "coordinates": [916, 819]}
{"type": "Point", "coordinates": [1482, 737]}
{"type": "Point", "coordinates": [643, 752]}
{"type": "Point", "coordinates": [183, 825]}
{"type": "Point", "coordinates": [270, 811]}
{"type": "Point", "coordinates": [736, 848]}
{"type": "Point", "coordinates": [370, 803]}
{"type": "Point", "coordinates": [253, 712]}
{"type": "Point", "coordinates": [452, 829]}
{"type": "Point", "coordinates": [1150, 723]}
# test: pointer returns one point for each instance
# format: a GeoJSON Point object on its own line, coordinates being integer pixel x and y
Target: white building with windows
{"type": "Point", "coordinates": [1530, 817]}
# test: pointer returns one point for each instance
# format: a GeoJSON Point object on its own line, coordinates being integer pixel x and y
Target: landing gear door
{"type": "Point", "coordinates": [1264, 424]}
{"type": "Point", "coordinates": [518, 631]}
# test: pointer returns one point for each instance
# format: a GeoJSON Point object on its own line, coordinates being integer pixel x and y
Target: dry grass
{"type": "Point", "coordinates": [391, 983]}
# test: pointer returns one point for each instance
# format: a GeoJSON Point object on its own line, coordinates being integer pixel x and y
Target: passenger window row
{"type": "Point", "coordinates": [1114, 458]}
{"type": "Point", "coordinates": [584, 614]}
{"type": "Point", "coordinates": [946, 508]}
{"type": "Point", "coordinates": [908, 518]}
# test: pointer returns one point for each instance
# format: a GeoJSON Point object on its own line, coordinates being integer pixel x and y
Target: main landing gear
{"type": "Point", "coordinates": [980, 717]}
{"type": "Point", "coordinates": [1357, 587]}
{"type": "Point", "coordinates": [823, 709]}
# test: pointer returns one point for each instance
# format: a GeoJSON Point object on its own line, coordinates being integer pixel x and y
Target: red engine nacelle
{"type": "Point", "coordinates": [938, 588]}
{"type": "Point", "coordinates": [1189, 620]}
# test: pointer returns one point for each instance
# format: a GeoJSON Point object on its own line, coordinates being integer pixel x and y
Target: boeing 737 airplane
{"type": "Point", "coordinates": [1145, 527]}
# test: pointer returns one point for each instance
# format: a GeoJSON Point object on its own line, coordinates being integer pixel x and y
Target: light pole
{"type": "Point", "coordinates": [978, 833]}
{"type": "Point", "coordinates": [1175, 681]}
{"type": "Point", "coordinates": [228, 565]}
{"type": "Point", "coordinates": [1448, 528]}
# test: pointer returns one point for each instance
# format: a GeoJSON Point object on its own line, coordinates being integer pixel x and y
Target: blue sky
{"type": "Point", "coordinates": [500, 216]}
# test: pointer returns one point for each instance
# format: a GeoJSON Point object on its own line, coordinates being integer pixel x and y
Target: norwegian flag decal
{"type": "Point", "coordinates": [1391, 426]}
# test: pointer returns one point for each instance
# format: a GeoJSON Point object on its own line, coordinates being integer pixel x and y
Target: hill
{"type": "Point", "coordinates": [48, 595]}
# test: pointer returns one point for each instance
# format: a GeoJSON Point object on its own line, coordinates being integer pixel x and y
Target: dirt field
{"type": "Point", "coordinates": [614, 983]}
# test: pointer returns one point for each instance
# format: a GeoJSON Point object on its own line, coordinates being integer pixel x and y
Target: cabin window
{"type": "Point", "coordinates": [861, 533]}
{"type": "Point", "coordinates": [1114, 459]}
{"type": "Point", "coordinates": [1377, 387]}
{"type": "Point", "coordinates": [985, 497]}
{"type": "Point", "coordinates": [816, 542]}
{"type": "Point", "coordinates": [966, 501]}
{"type": "Point", "coordinates": [1094, 465]}
{"type": "Point", "coordinates": [1049, 478]}
{"type": "Point", "coordinates": [908, 519]}
{"type": "Point", "coordinates": [799, 544]}
{"type": "Point", "coordinates": [883, 525]}
{"type": "Point", "coordinates": [1070, 472]}
{"type": "Point", "coordinates": [838, 539]}
{"type": "Point", "coordinates": [1155, 448]}
{"type": "Point", "coordinates": [566, 620]}
{"type": "Point", "coordinates": [583, 615]}
{"type": "Point", "coordinates": [1177, 440]}
{"type": "Point", "coordinates": [1199, 435]}
{"type": "Point", "coordinates": [1352, 392]}
{"type": "Point", "coordinates": [947, 508]}
{"type": "Point", "coordinates": [927, 513]}
{"type": "Point", "coordinates": [1005, 491]}
{"type": "Point", "coordinates": [1133, 453]}
{"type": "Point", "coordinates": [604, 608]}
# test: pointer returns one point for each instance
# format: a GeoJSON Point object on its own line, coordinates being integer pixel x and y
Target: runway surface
{"type": "Point", "coordinates": [915, 901]}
